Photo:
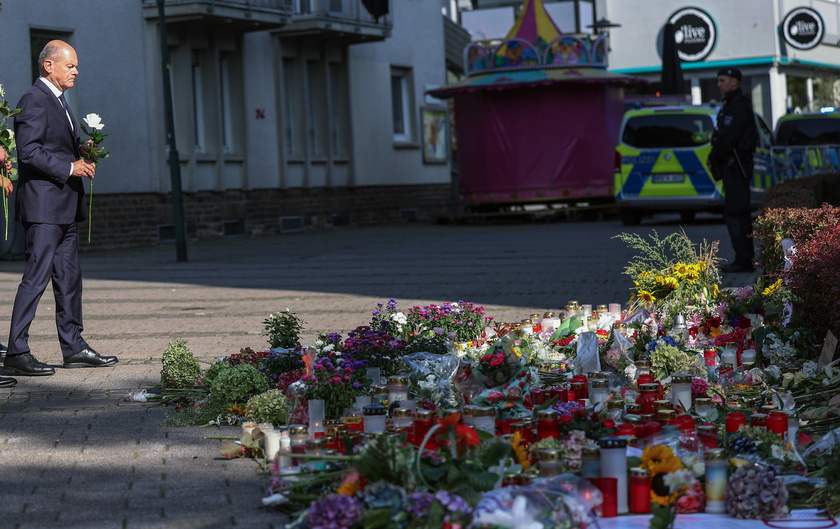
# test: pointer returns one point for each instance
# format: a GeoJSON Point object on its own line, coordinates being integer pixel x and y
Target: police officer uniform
{"type": "Point", "coordinates": [731, 160]}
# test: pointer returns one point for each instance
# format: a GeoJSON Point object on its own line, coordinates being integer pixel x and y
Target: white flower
{"type": "Point", "coordinates": [678, 479]}
{"type": "Point", "coordinates": [93, 121]}
{"type": "Point", "coordinates": [2, 91]}
{"type": "Point", "coordinates": [777, 452]}
{"type": "Point", "coordinates": [400, 318]}
{"type": "Point", "coordinates": [275, 499]}
{"type": "Point", "coordinates": [517, 518]}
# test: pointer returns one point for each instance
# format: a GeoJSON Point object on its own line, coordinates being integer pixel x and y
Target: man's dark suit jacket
{"type": "Point", "coordinates": [47, 145]}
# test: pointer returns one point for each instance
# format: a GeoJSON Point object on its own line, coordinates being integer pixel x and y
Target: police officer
{"type": "Point", "coordinates": [731, 160]}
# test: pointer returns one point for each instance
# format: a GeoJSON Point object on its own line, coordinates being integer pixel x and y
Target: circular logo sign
{"type": "Point", "coordinates": [803, 28]}
{"type": "Point", "coordinates": [694, 33]}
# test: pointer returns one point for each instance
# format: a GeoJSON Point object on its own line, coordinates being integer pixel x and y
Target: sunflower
{"type": "Point", "coordinates": [670, 282]}
{"type": "Point", "coordinates": [520, 451]}
{"type": "Point", "coordinates": [680, 270]}
{"type": "Point", "coordinates": [692, 273]}
{"type": "Point", "coordinates": [236, 409]}
{"type": "Point", "coordinates": [645, 296]}
{"type": "Point", "coordinates": [772, 289]}
{"type": "Point", "coordinates": [660, 460]}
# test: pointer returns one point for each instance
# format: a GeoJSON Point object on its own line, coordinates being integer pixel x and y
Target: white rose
{"type": "Point", "coordinates": [2, 91]}
{"type": "Point", "coordinates": [94, 121]}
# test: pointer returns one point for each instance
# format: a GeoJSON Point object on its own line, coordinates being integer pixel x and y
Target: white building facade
{"type": "Point", "coordinates": [288, 113]}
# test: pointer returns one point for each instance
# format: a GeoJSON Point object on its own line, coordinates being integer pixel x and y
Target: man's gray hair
{"type": "Point", "coordinates": [51, 52]}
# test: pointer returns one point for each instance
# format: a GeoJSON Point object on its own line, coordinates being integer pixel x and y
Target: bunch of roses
{"type": "Point", "coordinates": [737, 338]}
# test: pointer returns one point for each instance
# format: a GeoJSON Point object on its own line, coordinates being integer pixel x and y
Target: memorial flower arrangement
{"type": "Point", "coordinates": [398, 480]}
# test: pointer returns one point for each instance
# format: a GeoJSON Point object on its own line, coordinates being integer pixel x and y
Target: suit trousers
{"type": "Point", "coordinates": [52, 253]}
{"type": "Point", "coordinates": [738, 216]}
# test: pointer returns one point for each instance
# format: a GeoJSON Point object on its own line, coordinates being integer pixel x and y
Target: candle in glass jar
{"type": "Point", "coordinates": [397, 389]}
{"type": "Point", "coordinates": [548, 424]}
{"type": "Point", "coordinates": [403, 418]}
{"type": "Point", "coordinates": [537, 394]}
{"type": "Point", "coordinates": [598, 391]}
{"type": "Point", "coordinates": [485, 419]}
{"type": "Point", "coordinates": [729, 356]}
{"type": "Point", "coordinates": [710, 357]}
{"type": "Point", "coordinates": [748, 357]}
{"type": "Point", "coordinates": [248, 427]}
{"type": "Point", "coordinates": [647, 396]}
{"type": "Point", "coordinates": [639, 490]}
{"type": "Point", "coordinates": [759, 420]}
{"type": "Point", "coordinates": [734, 421]}
{"type": "Point", "coordinates": [423, 422]}
{"type": "Point", "coordinates": [614, 465]}
{"type": "Point", "coordinates": [715, 463]}
{"type": "Point", "coordinates": [681, 391]}
{"type": "Point", "coordinates": [317, 414]}
{"type": "Point", "coordinates": [550, 462]}
{"type": "Point", "coordinates": [777, 422]}
{"type": "Point", "coordinates": [298, 435]}
{"type": "Point", "coordinates": [374, 418]}
{"type": "Point", "coordinates": [703, 406]}
{"type": "Point", "coordinates": [272, 443]}
{"type": "Point", "coordinates": [590, 461]}
{"type": "Point", "coordinates": [526, 326]}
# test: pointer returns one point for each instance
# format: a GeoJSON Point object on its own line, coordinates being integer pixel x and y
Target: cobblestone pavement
{"type": "Point", "coordinates": [73, 454]}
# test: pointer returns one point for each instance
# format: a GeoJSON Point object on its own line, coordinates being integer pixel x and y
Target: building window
{"type": "Point", "coordinates": [225, 101]}
{"type": "Point", "coordinates": [338, 105]}
{"type": "Point", "coordinates": [286, 102]}
{"type": "Point", "coordinates": [37, 40]}
{"type": "Point", "coordinates": [198, 102]}
{"type": "Point", "coordinates": [402, 103]}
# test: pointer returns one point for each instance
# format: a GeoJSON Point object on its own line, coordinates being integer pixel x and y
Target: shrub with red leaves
{"type": "Point", "coordinates": [799, 224]}
{"type": "Point", "coordinates": [815, 278]}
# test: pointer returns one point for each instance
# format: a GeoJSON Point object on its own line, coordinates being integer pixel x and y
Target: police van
{"type": "Point", "coordinates": [808, 143]}
{"type": "Point", "coordinates": [660, 163]}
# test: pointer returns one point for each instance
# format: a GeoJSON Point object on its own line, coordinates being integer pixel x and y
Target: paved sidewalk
{"type": "Point", "coordinates": [73, 454]}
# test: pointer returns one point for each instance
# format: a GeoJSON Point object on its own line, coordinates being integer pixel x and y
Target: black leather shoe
{"type": "Point", "coordinates": [87, 357]}
{"type": "Point", "coordinates": [26, 364]}
{"type": "Point", "coordinates": [7, 382]}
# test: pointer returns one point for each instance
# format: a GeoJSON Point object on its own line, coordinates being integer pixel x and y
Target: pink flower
{"type": "Point", "coordinates": [693, 500]}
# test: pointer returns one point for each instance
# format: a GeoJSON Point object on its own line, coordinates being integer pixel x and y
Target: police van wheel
{"type": "Point", "coordinates": [687, 216]}
{"type": "Point", "coordinates": [630, 217]}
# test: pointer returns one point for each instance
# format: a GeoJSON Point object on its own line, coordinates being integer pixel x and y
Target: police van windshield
{"type": "Point", "coordinates": [817, 130]}
{"type": "Point", "coordinates": [658, 131]}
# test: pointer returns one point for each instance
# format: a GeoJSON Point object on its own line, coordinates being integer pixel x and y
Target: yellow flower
{"type": "Point", "coordinates": [643, 275]}
{"type": "Point", "coordinates": [670, 282]}
{"type": "Point", "coordinates": [680, 270]}
{"type": "Point", "coordinates": [645, 296]}
{"type": "Point", "coordinates": [715, 291]}
{"type": "Point", "coordinates": [692, 273]}
{"type": "Point", "coordinates": [236, 409]}
{"type": "Point", "coordinates": [656, 453]}
{"type": "Point", "coordinates": [352, 484]}
{"type": "Point", "coordinates": [772, 289]}
{"type": "Point", "coordinates": [701, 266]}
{"type": "Point", "coordinates": [520, 451]}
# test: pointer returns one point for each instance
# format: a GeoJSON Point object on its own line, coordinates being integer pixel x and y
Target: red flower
{"type": "Point", "coordinates": [744, 322]}
{"type": "Point", "coordinates": [713, 322]}
{"type": "Point", "coordinates": [467, 435]}
{"type": "Point", "coordinates": [566, 418]}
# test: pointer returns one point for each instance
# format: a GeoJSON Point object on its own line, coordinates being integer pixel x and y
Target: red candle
{"type": "Point", "coordinates": [537, 396]}
{"type": "Point", "coordinates": [584, 391]}
{"type": "Point", "coordinates": [609, 492]}
{"type": "Point", "coordinates": [777, 422]}
{"type": "Point", "coordinates": [639, 490]}
{"type": "Point", "coordinates": [548, 424]}
{"type": "Point", "coordinates": [734, 421]}
{"type": "Point", "coordinates": [710, 356]}
{"type": "Point", "coordinates": [423, 422]}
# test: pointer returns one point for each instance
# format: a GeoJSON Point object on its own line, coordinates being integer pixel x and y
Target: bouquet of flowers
{"type": "Point", "coordinates": [335, 381]}
{"type": "Point", "coordinates": [7, 143]}
{"type": "Point", "coordinates": [671, 275]}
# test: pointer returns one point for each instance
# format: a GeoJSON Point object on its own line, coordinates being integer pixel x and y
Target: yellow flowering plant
{"type": "Point", "coordinates": [672, 275]}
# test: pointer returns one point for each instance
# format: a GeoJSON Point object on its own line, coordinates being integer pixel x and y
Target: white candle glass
{"type": "Point", "coordinates": [317, 413]}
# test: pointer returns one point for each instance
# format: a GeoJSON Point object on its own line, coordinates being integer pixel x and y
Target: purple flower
{"type": "Point", "coordinates": [334, 511]}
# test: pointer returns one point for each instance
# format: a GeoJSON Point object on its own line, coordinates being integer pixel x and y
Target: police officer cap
{"type": "Point", "coordinates": [731, 72]}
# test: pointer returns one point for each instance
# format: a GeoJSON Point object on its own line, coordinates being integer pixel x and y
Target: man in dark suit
{"type": "Point", "coordinates": [50, 200]}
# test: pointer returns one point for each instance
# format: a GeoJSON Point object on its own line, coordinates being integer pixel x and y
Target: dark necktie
{"type": "Point", "coordinates": [66, 111]}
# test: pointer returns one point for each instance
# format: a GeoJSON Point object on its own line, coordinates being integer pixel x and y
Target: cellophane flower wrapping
{"type": "Point", "coordinates": [557, 502]}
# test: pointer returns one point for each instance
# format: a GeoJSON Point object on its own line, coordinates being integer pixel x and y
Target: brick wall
{"type": "Point", "coordinates": [134, 219]}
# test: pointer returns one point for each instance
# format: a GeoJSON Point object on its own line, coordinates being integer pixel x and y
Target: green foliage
{"type": "Point", "coordinates": [180, 368]}
{"type": "Point", "coordinates": [237, 383]}
{"type": "Point", "coordinates": [283, 329]}
{"type": "Point", "coordinates": [270, 406]}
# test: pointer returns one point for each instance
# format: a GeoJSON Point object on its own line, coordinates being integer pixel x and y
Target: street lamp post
{"type": "Point", "coordinates": [174, 164]}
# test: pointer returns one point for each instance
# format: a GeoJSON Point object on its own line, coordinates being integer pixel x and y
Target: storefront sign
{"type": "Point", "coordinates": [803, 28]}
{"type": "Point", "coordinates": [695, 33]}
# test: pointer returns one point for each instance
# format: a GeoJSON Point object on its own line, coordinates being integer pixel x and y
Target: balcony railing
{"type": "Point", "coordinates": [246, 15]}
{"type": "Point", "coordinates": [351, 20]}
